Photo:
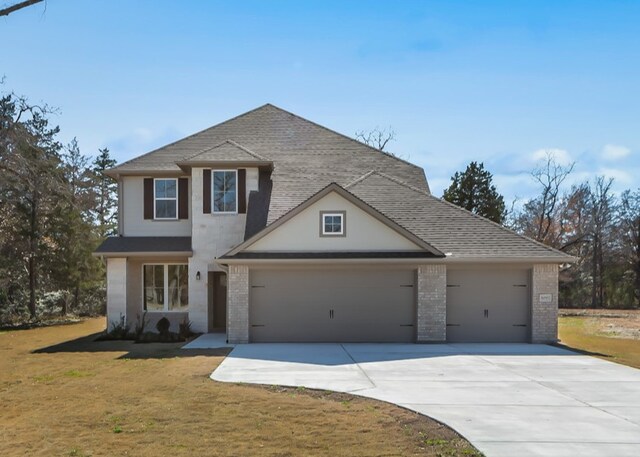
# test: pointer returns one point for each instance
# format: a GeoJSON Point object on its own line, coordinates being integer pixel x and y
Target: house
{"type": "Point", "coordinates": [275, 229]}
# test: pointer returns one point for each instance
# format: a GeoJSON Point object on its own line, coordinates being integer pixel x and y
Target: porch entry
{"type": "Point", "coordinates": [217, 301]}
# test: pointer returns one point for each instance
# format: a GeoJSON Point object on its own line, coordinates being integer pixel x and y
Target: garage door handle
{"type": "Point", "coordinates": [519, 325]}
{"type": "Point", "coordinates": [406, 325]}
{"type": "Point", "coordinates": [453, 325]}
{"type": "Point", "coordinates": [257, 325]}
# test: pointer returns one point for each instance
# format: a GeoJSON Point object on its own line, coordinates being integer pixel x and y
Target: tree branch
{"type": "Point", "coordinates": [18, 6]}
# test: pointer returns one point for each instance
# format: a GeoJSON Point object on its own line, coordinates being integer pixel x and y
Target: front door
{"type": "Point", "coordinates": [218, 300]}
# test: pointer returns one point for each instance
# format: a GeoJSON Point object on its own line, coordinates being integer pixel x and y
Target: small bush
{"type": "Point", "coordinates": [185, 329]}
{"type": "Point", "coordinates": [119, 329]}
{"type": "Point", "coordinates": [141, 323]}
{"type": "Point", "coordinates": [163, 326]}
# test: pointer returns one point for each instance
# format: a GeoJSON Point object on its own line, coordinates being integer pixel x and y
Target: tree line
{"type": "Point", "coordinates": [56, 205]}
{"type": "Point", "coordinates": [600, 228]}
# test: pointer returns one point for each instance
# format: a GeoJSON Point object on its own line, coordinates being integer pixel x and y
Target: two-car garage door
{"type": "Point", "coordinates": [332, 306]}
{"type": "Point", "coordinates": [367, 305]}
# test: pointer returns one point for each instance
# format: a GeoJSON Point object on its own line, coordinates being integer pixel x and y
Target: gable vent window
{"type": "Point", "coordinates": [165, 195]}
{"type": "Point", "coordinates": [333, 223]}
{"type": "Point", "coordinates": [225, 198]}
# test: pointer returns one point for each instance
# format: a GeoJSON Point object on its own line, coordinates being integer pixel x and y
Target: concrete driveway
{"type": "Point", "coordinates": [506, 399]}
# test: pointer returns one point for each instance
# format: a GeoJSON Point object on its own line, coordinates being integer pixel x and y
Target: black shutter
{"type": "Point", "coordinates": [242, 191]}
{"type": "Point", "coordinates": [183, 198]}
{"type": "Point", "coordinates": [206, 191]}
{"type": "Point", "coordinates": [148, 198]}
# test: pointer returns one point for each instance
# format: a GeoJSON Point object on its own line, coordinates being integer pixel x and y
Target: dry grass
{"type": "Point", "coordinates": [609, 334]}
{"type": "Point", "coordinates": [62, 394]}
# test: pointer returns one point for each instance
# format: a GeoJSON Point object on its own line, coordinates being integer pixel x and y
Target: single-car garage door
{"type": "Point", "coordinates": [332, 306]}
{"type": "Point", "coordinates": [488, 305]}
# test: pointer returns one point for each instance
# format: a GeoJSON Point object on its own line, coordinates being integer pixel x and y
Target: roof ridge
{"type": "Point", "coordinates": [390, 178]}
{"type": "Point", "coordinates": [360, 179]}
{"type": "Point", "coordinates": [191, 136]}
{"type": "Point", "coordinates": [345, 136]}
{"type": "Point", "coordinates": [232, 143]}
{"type": "Point", "coordinates": [459, 208]}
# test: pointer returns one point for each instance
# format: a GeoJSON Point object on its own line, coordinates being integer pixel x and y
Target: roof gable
{"type": "Point", "coordinates": [366, 229]}
{"type": "Point", "coordinates": [228, 150]}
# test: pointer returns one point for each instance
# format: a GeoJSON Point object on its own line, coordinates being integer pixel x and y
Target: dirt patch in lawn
{"type": "Point", "coordinates": [608, 322]}
{"type": "Point", "coordinates": [64, 394]}
{"type": "Point", "coordinates": [593, 334]}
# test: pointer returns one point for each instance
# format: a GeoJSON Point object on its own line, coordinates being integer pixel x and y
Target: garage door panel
{"type": "Point", "coordinates": [488, 305]}
{"type": "Point", "coordinates": [326, 305]}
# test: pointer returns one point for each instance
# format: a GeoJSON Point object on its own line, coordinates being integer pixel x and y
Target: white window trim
{"type": "Point", "coordinates": [165, 199]}
{"type": "Point", "coordinates": [213, 192]}
{"type": "Point", "coordinates": [165, 305]}
{"type": "Point", "coordinates": [341, 232]}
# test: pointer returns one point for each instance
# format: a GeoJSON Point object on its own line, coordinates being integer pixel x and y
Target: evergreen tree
{"type": "Point", "coordinates": [473, 190]}
{"type": "Point", "coordinates": [106, 193]}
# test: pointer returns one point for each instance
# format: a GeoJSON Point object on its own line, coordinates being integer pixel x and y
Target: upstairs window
{"type": "Point", "coordinates": [332, 223]}
{"type": "Point", "coordinates": [225, 199]}
{"type": "Point", "coordinates": [165, 196]}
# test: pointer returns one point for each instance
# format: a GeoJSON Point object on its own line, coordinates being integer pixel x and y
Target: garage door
{"type": "Point", "coordinates": [488, 306]}
{"type": "Point", "coordinates": [332, 306]}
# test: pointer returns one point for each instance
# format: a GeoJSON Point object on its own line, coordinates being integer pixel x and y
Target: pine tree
{"type": "Point", "coordinates": [473, 190]}
{"type": "Point", "coordinates": [106, 193]}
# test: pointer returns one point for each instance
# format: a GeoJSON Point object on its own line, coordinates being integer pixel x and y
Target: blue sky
{"type": "Point", "coordinates": [492, 81]}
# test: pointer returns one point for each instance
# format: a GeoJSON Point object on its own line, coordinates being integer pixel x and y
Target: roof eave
{"type": "Point", "coordinates": [143, 254]}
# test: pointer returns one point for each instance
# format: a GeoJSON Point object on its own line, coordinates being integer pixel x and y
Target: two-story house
{"type": "Point", "coordinates": [270, 227]}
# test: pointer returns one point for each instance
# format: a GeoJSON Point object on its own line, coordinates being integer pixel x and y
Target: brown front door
{"type": "Point", "coordinates": [219, 292]}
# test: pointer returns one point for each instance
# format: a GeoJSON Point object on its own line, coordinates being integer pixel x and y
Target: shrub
{"type": "Point", "coordinates": [185, 329]}
{"type": "Point", "coordinates": [163, 328]}
{"type": "Point", "coordinates": [141, 323]}
{"type": "Point", "coordinates": [119, 329]}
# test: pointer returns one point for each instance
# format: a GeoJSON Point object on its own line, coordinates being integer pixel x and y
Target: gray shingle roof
{"type": "Point", "coordinates": [449, 228]}
{"type": "Point", "coordinates": [226, 151]}
{"type": "Point", "coordinates": [306, 155]}
{"type": "Point", "coordinates": [151, 244]}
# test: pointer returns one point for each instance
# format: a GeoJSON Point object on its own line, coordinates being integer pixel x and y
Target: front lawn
{"type": "Point", "coordinates": [63, 394]}
{"type": "Point", "coordinates": [609, 334]}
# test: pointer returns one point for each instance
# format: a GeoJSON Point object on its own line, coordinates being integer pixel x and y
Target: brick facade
{"type": "Point", "coordinates": [238, 304]}
{"type": "Point", "coordinates": [544, 313]}
{"type": "Point", "coordinates": [432, 303]}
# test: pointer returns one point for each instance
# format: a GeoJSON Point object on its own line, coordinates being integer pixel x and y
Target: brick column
{"type": "Point", "coordinates": [238, 304]}
{"type": "Point", "coordinates": [432, 303]}
{"type": "Point", "coordinates": [544, 303]}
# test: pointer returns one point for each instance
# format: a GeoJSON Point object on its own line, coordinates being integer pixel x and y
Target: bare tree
{"type": "Point", "coordinates": [377, 138]}
{"type": "Point", "coordinates": [630, 230]}
{"type": "Point", "coordinates": [602, 210]}
{"type": "Point", "coordinates": [18, 6]}
{"type": "Point", "coordinates": [550, 175]}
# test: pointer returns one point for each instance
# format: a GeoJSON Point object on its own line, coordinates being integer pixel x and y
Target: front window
{"type": "Point", "coordinates": [166, 287]}
{"type": "Point", "coordinates": [332, 224]}
{"type": "Point", "coordinates": [224, 191]}
{"type": "Point", "coordinates": [165, 192]}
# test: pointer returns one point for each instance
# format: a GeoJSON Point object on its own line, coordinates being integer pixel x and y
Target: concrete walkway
{"type": "Point", "coordinates": [506, 399]}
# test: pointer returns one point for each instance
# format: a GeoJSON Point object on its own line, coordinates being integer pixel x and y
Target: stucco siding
{"type": "Point", "coordinates": [363, 231]}
{"type": "Point", "coordinates": [132, 213]}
